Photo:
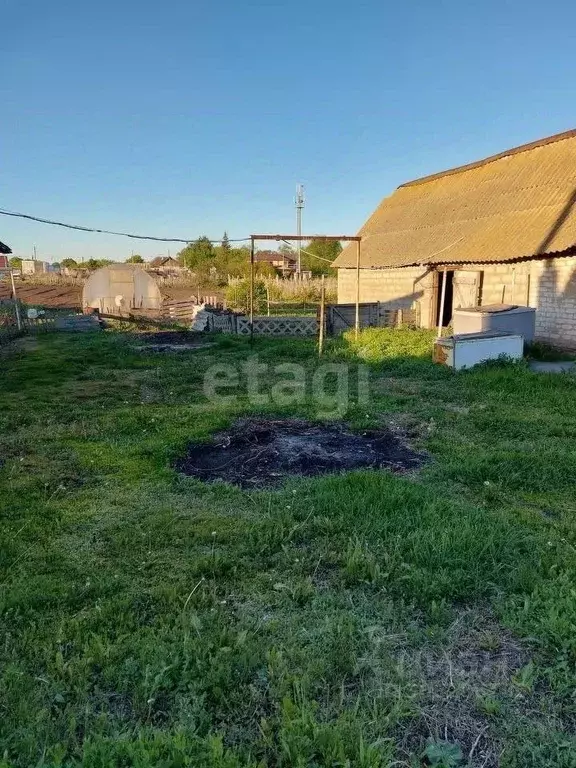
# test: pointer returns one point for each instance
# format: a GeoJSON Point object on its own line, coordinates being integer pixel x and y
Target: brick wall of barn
{"type": "Point", "coordinates": [547, 284]}
{"type": "Point", "coordinates": [553, 293]}
{"type": "Point", "coordinates": [394, 288]}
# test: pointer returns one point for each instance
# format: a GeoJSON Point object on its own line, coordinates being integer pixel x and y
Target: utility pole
{"type": "Point", "coordinates": [299, 201]}
{"type": "Point", "coordinates": [34, 253]}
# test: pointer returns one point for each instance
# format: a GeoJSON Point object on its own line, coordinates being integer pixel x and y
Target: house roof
{"type": "Point", "coordinates": [517, 204]}
{"type": "Point", "coordinates": [270, 256]}
{"type": "Point", "coordinates": [5, 249]}
{"type": "Point", "coordinates": [162, 261]}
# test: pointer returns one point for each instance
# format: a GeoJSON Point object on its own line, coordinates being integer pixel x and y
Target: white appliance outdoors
{"type": "Point", "coordinates": [499, 318]}
{"type": "Point", "coordinates": [469, 349]}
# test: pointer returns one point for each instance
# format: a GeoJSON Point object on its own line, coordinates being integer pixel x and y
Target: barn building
{"type": "Point", "coordinates": [503, 228]}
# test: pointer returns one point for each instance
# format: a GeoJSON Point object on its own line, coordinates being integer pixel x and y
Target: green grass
{"type": "Point", "coordinates": [365, 619]}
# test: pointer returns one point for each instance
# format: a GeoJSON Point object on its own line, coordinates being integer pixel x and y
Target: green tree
{"type": "Point", "coordinates": [135, 259]}
{"type": "Point", "coordinates": [235, 262]}
{"type": "Point", "coordinates": [15, 262]}
{"type": "Point", "coordinates": [93, 264]}
{"type": "Point", "coordinates": [318, 256]}
{"type": "Point", "coordinates": [238, 296]}
{"type": "Point", "coordinates": [225, 246]}
{"type": "Point", "coordinates": [69, 263]}
{"type": "Point", "coordinates": [198, 256]}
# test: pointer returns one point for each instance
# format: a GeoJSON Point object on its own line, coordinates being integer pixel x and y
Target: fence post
{"type": "Point", "coordinates": [252, 289]}
{"type": "Point", "coordinates": [16, 307]}
{"type": "Point", "coordinates": [321, 329]}
{"type": "Point", "coordinates": [357, 314]}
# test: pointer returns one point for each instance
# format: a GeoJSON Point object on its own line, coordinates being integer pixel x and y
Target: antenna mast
{"type": "Point", "coordinates": [299, 202]}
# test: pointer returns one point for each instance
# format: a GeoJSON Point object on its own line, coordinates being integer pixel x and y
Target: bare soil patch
{"type": "Point", "coordinates": [258, 452]}
{"type": "Point", "coordinates": [57, 296]}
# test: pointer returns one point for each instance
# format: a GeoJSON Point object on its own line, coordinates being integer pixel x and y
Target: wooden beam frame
{"type": "Point", "coordinates": [322, 238]}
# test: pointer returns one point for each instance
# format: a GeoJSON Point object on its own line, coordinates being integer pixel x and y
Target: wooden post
{"type": "Point", "coordinates": [16, 307]}
{"type": "Point", "coordinates": [357, 316]}
{"type": "Point", "coordinates": [442, 299]}
{"type": "Point", "coordinates": [321, 329]}
{"type": "Point", "coordinates": [251, 289]}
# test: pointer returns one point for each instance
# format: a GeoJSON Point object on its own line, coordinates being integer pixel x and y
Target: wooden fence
{"type": "Point", "coordinates": [184, 310]}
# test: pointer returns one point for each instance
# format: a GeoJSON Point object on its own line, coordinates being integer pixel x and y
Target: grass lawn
{"type": "Point", "coordinates": [365, 619]}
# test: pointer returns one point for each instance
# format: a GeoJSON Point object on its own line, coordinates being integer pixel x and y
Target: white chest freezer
{"type": "Point", "coordinates": [466, 350]}
{"type": "Point", "coordinates": [499, 318]}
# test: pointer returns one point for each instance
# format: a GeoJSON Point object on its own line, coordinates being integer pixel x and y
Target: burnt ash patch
{"type": "Point", "coordinates": [169, 337]}
{"type": "Point", "coordinates": [258, 453]}
{"type": "Point", "coordinates": [170, 341]}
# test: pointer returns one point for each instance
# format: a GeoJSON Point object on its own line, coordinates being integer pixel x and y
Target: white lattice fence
{"type": "Point", "coordinates": [279, 326]}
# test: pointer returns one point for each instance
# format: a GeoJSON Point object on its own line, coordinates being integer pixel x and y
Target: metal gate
{"type": "Point", "coordinates": [342, 317]}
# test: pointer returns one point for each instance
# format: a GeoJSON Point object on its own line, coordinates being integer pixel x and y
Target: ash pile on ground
{"type": "Point", "coordinates": [170, 341]}
{"type": "Point", "coordinates": [258, 453]}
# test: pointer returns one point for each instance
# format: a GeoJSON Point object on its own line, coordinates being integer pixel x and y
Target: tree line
{"type": "Point", "coordinates": [205, 258]}
{"type": "Point", "coordinates": [216, 262]}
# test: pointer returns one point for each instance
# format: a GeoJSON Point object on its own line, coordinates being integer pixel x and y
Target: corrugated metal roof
{"type": "Point", "coordinates": [515, 205]}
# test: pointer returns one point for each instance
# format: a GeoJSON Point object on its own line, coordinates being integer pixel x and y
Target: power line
{"type": "Point", "coordinates": [109, 232]}
{"type": "Point", "coordinates": [309, 253]}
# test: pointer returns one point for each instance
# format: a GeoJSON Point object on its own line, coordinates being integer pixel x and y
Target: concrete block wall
{"type": "Point", "coordinates": [549, 285]}
{"type": "Point", "coordinates": [394, 288]}
{"type": "Point", "coordinates": [502, 283]}
{"type": "Point", "coordinates": [553, 293]}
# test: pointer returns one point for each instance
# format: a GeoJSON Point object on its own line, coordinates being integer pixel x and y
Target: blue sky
{"type": "Point", "coordinates": [189, 118]}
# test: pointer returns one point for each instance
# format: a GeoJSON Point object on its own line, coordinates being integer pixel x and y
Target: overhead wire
{"type": "Point", "coordinates": [303, 250]}
{"type": "Point", "coordinates": [80, 228]}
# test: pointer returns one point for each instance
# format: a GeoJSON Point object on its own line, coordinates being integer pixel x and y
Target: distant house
{"type": "Point", "coordinates": [5, 251]}
{"type": "Point", "coordinates": [503, 228]}
{"type": "Point", "coordinates": [284, 264]}
{"type": "Point", "coordinates": [34, 267]}
{"type": "Point", "coordinates": [166, 265]}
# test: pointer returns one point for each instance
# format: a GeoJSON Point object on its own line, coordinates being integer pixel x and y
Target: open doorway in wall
{"type": "Point", "coordinates": [446, 318]}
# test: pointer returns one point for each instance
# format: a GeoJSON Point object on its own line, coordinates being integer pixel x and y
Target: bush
{"type": "Point", "coordinates": [238, 296]}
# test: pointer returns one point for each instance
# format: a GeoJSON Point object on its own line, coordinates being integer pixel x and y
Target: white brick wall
{"type": "Point", "coordinates": [547, 284]}
{"type": "Point", "coordinates": [395, 288]}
